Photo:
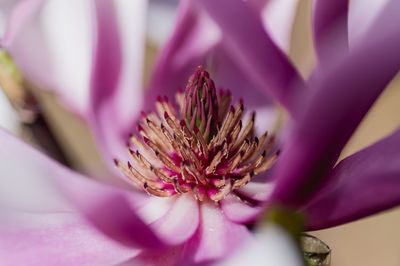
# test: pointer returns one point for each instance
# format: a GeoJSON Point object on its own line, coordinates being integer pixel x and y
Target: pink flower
{"type": "Point", "coordinates": [53, 215]}
{"type": "Point", "coordinates": [182, 228]}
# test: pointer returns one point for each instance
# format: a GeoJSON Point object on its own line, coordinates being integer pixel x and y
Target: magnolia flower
{"type": "Point", "coordinates": [188, 226]}
{"type": "Point", "coordinates": [63, 217]}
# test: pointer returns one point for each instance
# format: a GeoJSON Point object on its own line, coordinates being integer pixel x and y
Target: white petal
{"type": "Point", "coordinates": [271, 246]}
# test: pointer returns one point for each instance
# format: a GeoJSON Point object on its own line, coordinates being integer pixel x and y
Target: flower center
{"type": "Point", "coordinates": [204, 149]}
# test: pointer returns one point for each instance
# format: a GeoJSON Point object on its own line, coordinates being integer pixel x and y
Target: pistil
{"type": "Point", "coordinates": [202, 149]}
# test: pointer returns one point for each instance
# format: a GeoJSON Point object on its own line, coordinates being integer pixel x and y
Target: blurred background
{"type": "Point", "coordinates": [368, 242]}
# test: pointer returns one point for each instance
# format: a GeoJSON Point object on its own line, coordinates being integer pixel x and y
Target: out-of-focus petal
{"type": "Point", "coordinates": [114, 216]}
{"type": "Point", "coordinates": [271, 246]}
{"type": "Point", "coordinates": [116, 93]}
{"type": "Point", "coordinates": [254, 51]}
{"type": "Point", "coordinates": [15, 16]}
{"type": "Point", "coordinates": [256, 191]}
{"type": "Point", "coordinates": [29, 179]}
{"type": "Point", "coordinates": [63, 238]}
{"type": "Point", "coordinates": [278, 17]}
{"type": "Point", "coordinates": [215, 238]}
{"type": "Point", "coordinates": [6, 8]}
{"type": "Point", "coordinates": [161, 257]}
{"type": "Point", "coordinates": [362, 184]}
{"type": "Point", "coordinates": [8, 116]}
{"type": "Point", "coordinates": [153, 208]}
{"type": "Point", "coordinates": [180, 222]}
{"type": "Point", "coordinates": [239, 211]}
{"type": "Point", "coordinates": [50, 42]}
{"type": "Point", "coordinates": [342, 98]}
{"type": "Point", "coordinates": [330, 29]}
{"type": "Point", "coordinates": [197, 40]}
{"type": "Point", "coordinates": [362, 16]}
{"type": "Point", "coordinates": [33, 183]}
{"type": "Point", "coordinates": [193, 37]}
{"type": "Point", "coordinates": [228, 75]}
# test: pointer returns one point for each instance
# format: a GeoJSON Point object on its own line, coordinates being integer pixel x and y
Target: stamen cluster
{"type": "Point", "coordinates": [204, 149]}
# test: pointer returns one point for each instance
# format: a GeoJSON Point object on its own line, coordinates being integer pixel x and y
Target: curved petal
{"type": "Point", "coordinates": [33, 183]}
{"type": "Point", "coordinates": [361, 17]}
{"type": "Point", "coordinates": [115, 217]}
{"type": "Point", "coordinates": [15, 15]}
{"type": "Point", "coordinates": [362, 184]}
{"type": "Point", "coordinates": [238, 211]}
{"type": "Point", "coordinates": [254, 51]}
{"type": "Point", "coordinates": [278, 18]}
{"type": "Point", "coordinates": [115, 87]}
{"type": "Point", "coordinates": [29, 179]}
{"type": "Point", "coordinates": [193, 38]}
{"type": "Point", "coordinates": [228, 75]}
{"type": "Point", "coordinates": [104, 89]}
{"type": "Point", "coordinates": [215, 238]}
{"type": "Point", "coordinates": [271, 246]}
{"type": "Point", "coordinates": [180, 222]}
{"type": "Point", "coordinates": [56, 239]}
{"type": "Point", "coordinates": [43, 31]}
{"type": "Point", "coordinates": [323, 129]}
{"type": "Point", "coordinates": [197, 41]}
{"type": "Point", "coordinates": [153, 208]}
{"type": "Point", "coordinates": [257, 191]}
{"type": "Point", "coordinates": [330, 29]}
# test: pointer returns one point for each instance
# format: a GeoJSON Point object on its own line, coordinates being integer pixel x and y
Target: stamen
{"type": "Point", "coordinates": [200, 148]}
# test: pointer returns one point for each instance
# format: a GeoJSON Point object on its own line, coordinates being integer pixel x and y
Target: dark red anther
{"type": "Point", "coordinates": [166, 116]}
{"type": "Point", "coordinates": [182, 123]}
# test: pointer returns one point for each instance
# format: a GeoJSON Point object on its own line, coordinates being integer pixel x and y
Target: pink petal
{"type": "Point", "coordinates": [362, 184]}
{"type": "Point", "coordinates": [228, 75]}
{"type": "Point", "coordinates": [278, 18]}
{"type": "Point", "coordinates": [33, 183]}
{"type": "Point", "coordinates": [254, 51]}
{"type": "Point", "coordinates": [272, 245]}
{"type": "Point", "coordinates": [105, 89]}
{"type": "Point", "coordinates": [63, 238]}
{"type": "Point", "coordinates": [361, 17]}
{"type": "Point", "coordinates": [116, 219]}
{"type": "Point", "coordinates": [258, 191]}
{"type": "Point", "coordinates": [341, 99]}
{"type": "Point", "coordinates": [153, 208]}
{"type": "Point", "coordinates": [161, 257]}
{"type": "Point", "coordinates": [238, 211]}
{"type": "Point", "coordinates": [193, 38]}
{"type": "Point", "coordinates": [116, 91]}
{"type": "Point", "coordinates": [216, 237]}
{"type": "Point", "coordinates": [18, 14]}
{"type": "Point", "coordinates": [43, 31]}
{"type": "Point", "coordinates": [196, 40]}
{"type": "Point", "coordinates": [330, 29]}
{"type": "Point", "coordinates": [180, 222]}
